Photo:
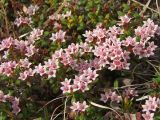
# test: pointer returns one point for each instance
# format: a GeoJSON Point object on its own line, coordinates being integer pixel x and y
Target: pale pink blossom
{"type": "Point", "coordinates": [66, 86]}
{"type": "Point", "coordinates": [23, 76]}
{"type": "Point", "coordinates": [35, 35]}
{"type": "Point", "coordinates": [15, 106]}
{"type": "Point", "coordinates": [124, 20]}
{"type": "Point", "coordinates": [30, 50]}
{"type": "Point", "coordinates": [2, 97]}
{"type": "Point", "coordinates": [79, 107]}
{"type": "Point", "coordinates": [6, 43]}
{"type": "Point", "coordinates": [25, 63]}
{"type": "Point", "coordinates": [67, 14]}
{"type": "Point", "coordinates": [40, 69]}
{"type": "Point", "coordinates": [22, 20]}
{"type": "Point", "coordinates": [148, 116]}
{"type": "Point", "coordinates": [31, 10]}
{"type": "Point", "coordinates": [58, 36]}
{"type": "Point", "coordinates": [110, 95]}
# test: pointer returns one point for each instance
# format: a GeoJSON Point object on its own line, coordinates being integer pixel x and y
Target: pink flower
{"type": "Point", "coordinates": [31, 10]}
{"type": "Point", "coordinates": [30, 50]}
{"type": "Point", "coordinates": [89, 36]}
{"type": "Point", "coordinates": [58, 36]}
{"type": "Point", "coordinates": [35, 35]}
{"type": "Point", "coordinates": [40, 69]}
{"type": "Point", "coordinates": [15, 106]}
{"type": "Point", "coordinates": [115, 98]}
{"type": "Point", "coordinates": [30, 72]}
{"type": "Point", "coordinates": [114, 31]}
{"type": "Point", "coordinates": [51, 73]}
{"type": "Point", "coordinates": [22, 20]}
{"type": "Point", "coordinates": [72, 49]}
{"type": "Point", "coordinates": [130, 93]}
{"type": "Point", "coordinates": [52, 64]}
{"type": "Point", "coordinates": [148, 116]}
{"type": "Point", "coordinates": [23, 75]}
{"type": "Point", "coordinates": [158, 30]}
{"type": "Point", "coordinates": [66, 88]}
{"type": "Point", "coordinates": [110, 96]}
{"type": "Point", "coordinates": [21, 45]}
{"type": "Point", "coordinates": [150, 105]}
{"type": "Point", "coordinates": [79, 107]}
{"type": "Point", "coordinates": [124, 19]}
{"type": "Point", "coordinates": [6, 53]}
{"type": "Point", "coordinates": [83, 86]}
{"type": "Point", "coordinates": [57, 25]}
{"type": "Point", "coordinates": [6, 43]}
{"type": "Point", "coordinates": [129, 41]}
{"type": "Point", "coordinates": [104, 97]}
{"type": "Point", "coordinates": [67, 14]}
{"type": "Point", "coordinates": [2, 97]}
{"type": "Point", "coordinates": [90, 74]}
{"type": "Point", "coordinates": [55, 17]}
{"type": "Point", "coordinates": [99, 33]}
{"type": "Point", "coordinates": [24, 63]}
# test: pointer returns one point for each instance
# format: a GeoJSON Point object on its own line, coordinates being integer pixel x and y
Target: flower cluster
{"type": "Point", "coordinates": [23, 21]}
{"type": "Point", "coordinates": [124, 20]}
{"type": "Point", "coordinates": [7, 68]}
{"type": "Point", "coordinates": [31, 10]}
{"type": "Point", "coordinates": [150, 107]}
{"type": "Point", "coordinates": [130, 93]}
{"type": "Point", "coordinates": [112, 96]}
{"type": "Point", "coordinates": [60, 16]}
{"type": "Point", "coordinates": [59, 36]}
{"type": "Point", "coordinates": [114, 52]}
{"type": "Point", "coordinates": [80, 82]}
{"type": "Point", "coordinates": [13, 100]}
{"type": "Point", "coordinates": [102, 48]}
{"type": "Point", "coordinates": [79, 107]}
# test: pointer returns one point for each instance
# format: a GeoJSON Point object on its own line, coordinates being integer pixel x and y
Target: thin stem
{"type": "Point", "coordinates": [5, 17]}
{"type": "Point", "coordinates": [65, 103]}
{"type": "Point", "coordinates": [50, 102]}
{"type": "Point", "coordinates": [55, 111]}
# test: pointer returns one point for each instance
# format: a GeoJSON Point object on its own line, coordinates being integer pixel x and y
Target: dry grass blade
{"type": "Point", "coordinates": [105, 107]}
{"type": "Point", "coordinates": [50, 102]}
{"type": "Point", "coordinates": [55, 111]}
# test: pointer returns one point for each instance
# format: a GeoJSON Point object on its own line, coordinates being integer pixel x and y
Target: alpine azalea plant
{"type": "Point", "coordinates": [75, 68]}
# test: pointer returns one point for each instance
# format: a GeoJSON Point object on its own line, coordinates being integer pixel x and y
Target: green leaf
{"type": "Point", "coordinates": [120, 13]}
{"type": "Point", "coordinates": [125, 7]}
{"type": "Point", "coordinates": [116, 84]}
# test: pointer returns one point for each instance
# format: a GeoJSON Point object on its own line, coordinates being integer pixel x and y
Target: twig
{"type": "Point", "coordinates": [158, 7]}
{"type": "Point", "coordinates": [144, 5]}
{"type": "Point", "coordinates": [133, 85]}
{"type": "Point", "coordinates": [24, 35]}
{"type": "Point", "coordinates": [5, 17]}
